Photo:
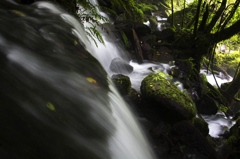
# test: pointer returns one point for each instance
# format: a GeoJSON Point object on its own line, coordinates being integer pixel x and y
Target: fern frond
{"type": "Point", "coordinates": [108, 10]}
{"type": "Point", "coordinates": [90, 35]}
{"type": "Point", "coordinates": [165, 6]}
{"type": "Point", "coordinates": [95, 33]}
{"type": "Point", "coordinates": [125, 39]}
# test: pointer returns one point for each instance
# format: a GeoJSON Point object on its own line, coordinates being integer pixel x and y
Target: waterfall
{"type": "Point", "coordinates": [56, 99]}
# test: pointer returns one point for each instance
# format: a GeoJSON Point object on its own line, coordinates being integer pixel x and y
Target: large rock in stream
{"type": "Point", "coordinates": [164, 98]}
{"type": "Point", "coordinates": [48, 84]}
{"type": "Point", "coordinates": [118, 65]}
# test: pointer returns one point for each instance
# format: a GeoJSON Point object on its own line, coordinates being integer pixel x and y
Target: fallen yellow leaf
{"type": "Point", "coordinates": [91, 80]}
{"type": "Point", "coordinates": [18, 13]}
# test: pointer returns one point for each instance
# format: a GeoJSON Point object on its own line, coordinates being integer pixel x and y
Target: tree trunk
{"type": "Point", "coordinates": [137, 46]}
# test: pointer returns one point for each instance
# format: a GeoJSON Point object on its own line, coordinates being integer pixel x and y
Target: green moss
{"type": "Point", "coordinates": [204, 82]}
{"type": "Point", "coordinates": [122, 82]}
{"type": "Point", "coordinates": [156, 84]}
{"type": "Point", "coordinates": [222, 108]}
{"type": "Point", "coordinates": [230, 143]}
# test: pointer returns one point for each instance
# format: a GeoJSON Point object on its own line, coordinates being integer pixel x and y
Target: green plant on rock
{"type": "Point", "coordinates": [89, 13]}
{"type": "Point", "coordinates": [163, 75]}
{"type": "Point", "coordinates": [222, 108]}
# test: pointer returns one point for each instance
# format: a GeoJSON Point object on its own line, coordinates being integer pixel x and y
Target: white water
{"type": "Point", "coordinates": [128, 141]}
{"type": "Point", "coordinates": [147, 23]}
{"type": "Point", "coordinates": [211, 79]}
{"type": "Point", "coordinates": [218, 123]}
{"type": "Point", "coordinates": [142, 70]}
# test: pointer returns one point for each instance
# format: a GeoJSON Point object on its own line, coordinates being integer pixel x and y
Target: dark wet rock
{"type": "Point", "coordinates": [224, 86]}
{"type": "Point", "coordinates": [146, 51]}
{"type": "Point", "coordinates": [147, 12]}
{"type": "Point", "coordinates": [141, 29]}
{"type": "Point", "coordinates": [150, 39]}
{"type": "Point", "coordinates": [120, 17]}
{"type": "Point", "coordinates": [207, 106]}
{"type": "Point", "coordinates": [163, 54]}
{"type": "Point", "coordinates": [122, 83]}
{"type": "Point", "coordinates": [146, 45]}
{"type": "Point", "coordinates": [237, 115]}
{"type": "Point", "coordinates": [184, 65]}
{"type": "Point", "coordinates": [126, 26]}
{"type": "Point", "coordinates": [164, 98]}
{"type": "Point", "coordinates": [133, 97]}
{"type": "Point", "coordinates": [162, 144]}
{"type": "Point", "coordinates": [120, 66]}
{"type": "Point", "coordinates": [105, 3]}
{"type": "Point", "coordinates": [231, 71]}
{"type": "Point", "coordinates": [158, 34]}
{"type": "Point", "coordinates": [175, 72]}
{"type": "Point", "coordinates": [201, 125]}
{"type": "Point", "coordinates": [191, 142]}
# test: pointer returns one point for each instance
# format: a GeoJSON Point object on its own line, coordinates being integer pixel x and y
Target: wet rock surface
{"type": "Point", "coordinates": [165, 99]}
{"type": "Point", "coordinates": [120, 66]}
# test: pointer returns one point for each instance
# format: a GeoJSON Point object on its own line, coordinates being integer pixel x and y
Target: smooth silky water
{"type": "Point", "coordinates": [56, 99]}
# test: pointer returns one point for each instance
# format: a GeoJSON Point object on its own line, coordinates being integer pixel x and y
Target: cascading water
{"type": "Point", "coordinates": [218, 123]}
{"type": "Point", "coordinates": [56, 100]}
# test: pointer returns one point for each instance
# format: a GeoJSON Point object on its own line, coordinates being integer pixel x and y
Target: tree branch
{"type": "Point", "coordinates": [216, 17]}
{"type": "Point", "coordinates": [226, 33]}
{"type": "Point", "coordinates": [231, 13]}
{"type": "Point", "coordinates": [204, 20]}
{"type": "Point", "coordinates": [197, 17]}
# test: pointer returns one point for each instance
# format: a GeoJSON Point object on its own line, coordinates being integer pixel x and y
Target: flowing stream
{"type": "Point", "coordinates": [56, 99]}
{"type": "Point", "coordinates": [218, 123]}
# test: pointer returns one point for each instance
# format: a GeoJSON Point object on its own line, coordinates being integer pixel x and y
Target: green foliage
{"type": "Point", "coordinates": [163, 75]}
{"type": "Point", "coordinates": [222, 108]}
{"type": "Point", "coordinates": [89, 13]}
{"type": "Point", "coordinates": [144, 7]}
{"type": "Point", "coordinates": [93, 33]}
{"type": "Point", "coordinates": [125, 39]}
{"type": "Point", "coordinates": [229, 60]}
{"type": "Point", "coordinates": [230, 142]}
{"type": "Point", "coordinates": [132, 10]}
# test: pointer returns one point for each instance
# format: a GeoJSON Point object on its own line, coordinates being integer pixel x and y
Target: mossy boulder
{"type": "Point", "coordinates": [163, 55]}
{"type": "Point", "coordinates": [122, 83]}
{"type": "Point", "coordinates": [126, 26]}
{"type": "Point", "coordinates": [150, 39]}
{"type": "Point", "coordinates": [201, 125]}
{"type": "Point", "coordinates": [164, 97]}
